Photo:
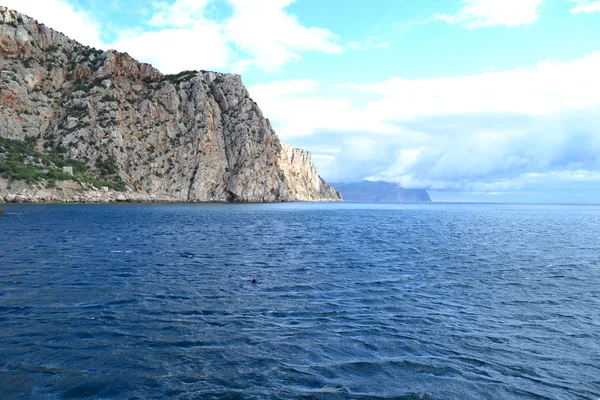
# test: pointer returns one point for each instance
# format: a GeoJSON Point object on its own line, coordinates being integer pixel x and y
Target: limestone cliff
{"type": "Point", "coordinates": [195, 136]}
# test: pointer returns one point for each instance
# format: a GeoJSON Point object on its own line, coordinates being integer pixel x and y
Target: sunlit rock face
{"type": "Point", "coordinates": [196, 136]}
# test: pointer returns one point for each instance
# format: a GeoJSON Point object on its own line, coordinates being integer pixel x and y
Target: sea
{"type": "Point", "coordinates": [353, 301]}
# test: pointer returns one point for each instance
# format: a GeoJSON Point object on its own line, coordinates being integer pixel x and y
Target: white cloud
{"type": "Point", "coordinates": [259, 34]}
{"type": "Point", "coordinates": [271, 36]}
{"type": "Point", "coordinates": [61, 16]}
{"type": "Point", "coordinates": [493, 154]}
{"type": "Point", "coordinates": [496, 158]}
{"type": "Point", "coordinates": [182, 13]}
{"type": "Point", "coordinates": [484, 132]}
{"type": "Point", "coordinates": [183, 34]}
{"type": "Point", "coordinates": [369, 43]}
{"type": "Point", "coordinates": [549, 87]}
{"type": "Point", "coordinates": [170, 50]}
{"type": "Point", "coordinates": [182, 39]}
{"type": "Point", "coordinates": [296, 109]}
{"type": "Point", "coordinates": [585, 6]}
{"type": "Point", "coordinates": [483, 13]}
{"type": "Point", "coordinates": [285, 88]}
{"type": "Point", "coordinates": [241, 66]}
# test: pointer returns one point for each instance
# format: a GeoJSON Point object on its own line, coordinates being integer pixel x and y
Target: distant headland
{"type": "Point", "coordinates": [369, 191]}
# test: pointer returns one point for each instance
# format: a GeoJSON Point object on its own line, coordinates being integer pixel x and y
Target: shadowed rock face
{"type": "Point", "coordinates": [367, 191]}
{"type": "Point", "coordinates": [196, 136]}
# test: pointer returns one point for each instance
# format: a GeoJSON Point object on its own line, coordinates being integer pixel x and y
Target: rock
{"type": "Point", "coordinates": [187, 137]}
{"type": "Point", "coordinates": [44, 195]}
{"type": "Point", "coordinates": [121, 197]}
{"type": "Point", "coordinates": [2, 213]}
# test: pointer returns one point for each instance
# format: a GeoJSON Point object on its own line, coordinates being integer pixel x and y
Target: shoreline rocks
{"type": "Point", "coordinates": [18, 192]}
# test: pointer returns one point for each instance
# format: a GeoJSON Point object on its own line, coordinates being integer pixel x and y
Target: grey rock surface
{"type": "Point", "coordinates": [195, 136]}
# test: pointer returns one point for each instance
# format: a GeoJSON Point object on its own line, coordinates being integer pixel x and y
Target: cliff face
{"type": "Point", "coordinates": [368, 191]}
{"type": "Point", "coordinates": [196, 136]}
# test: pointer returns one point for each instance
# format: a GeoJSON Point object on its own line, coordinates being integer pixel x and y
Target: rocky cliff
{"type": "Point", "coordinates": [195, 136]}
{"type": "Point", "coordinates": [369, 191]}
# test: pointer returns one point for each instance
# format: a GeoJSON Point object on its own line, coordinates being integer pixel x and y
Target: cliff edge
{"type": "Point", "coordinates": [194, 136]}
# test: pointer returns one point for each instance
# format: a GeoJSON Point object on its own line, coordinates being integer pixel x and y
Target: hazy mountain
{"type": "Point", "coordinates": [368, 191]}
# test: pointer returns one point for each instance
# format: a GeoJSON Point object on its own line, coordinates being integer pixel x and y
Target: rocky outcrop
{"type": "Point", "coordinates": [72, 192]}
{"type": "Point", "coordinates": [195, 136]}
{"type": "Point", "coordinates": [369, 191]}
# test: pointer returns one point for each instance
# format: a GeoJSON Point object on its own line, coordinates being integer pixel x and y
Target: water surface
{"type": "Point", "coordinates": [376, 301]}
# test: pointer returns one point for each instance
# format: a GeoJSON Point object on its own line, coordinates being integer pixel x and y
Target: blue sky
{"type": "Point", "coordinates": [475, 100]}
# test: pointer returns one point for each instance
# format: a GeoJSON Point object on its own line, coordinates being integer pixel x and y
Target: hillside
{"type": "Point", "coordinates": [194, 136]}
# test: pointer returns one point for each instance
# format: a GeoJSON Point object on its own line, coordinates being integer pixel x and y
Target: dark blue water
{"type": "Point", "coordinates": [354, 301]}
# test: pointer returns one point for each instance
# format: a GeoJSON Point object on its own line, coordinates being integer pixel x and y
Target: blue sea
{"type": "Point", "coordinates": [353, 301]}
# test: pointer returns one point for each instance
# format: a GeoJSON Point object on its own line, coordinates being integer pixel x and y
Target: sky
{"type": "Point", "coordinates": [474, 100]}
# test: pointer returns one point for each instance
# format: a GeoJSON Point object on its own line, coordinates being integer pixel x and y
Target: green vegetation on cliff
{"type": "Point", "coordinates": [19, 160]}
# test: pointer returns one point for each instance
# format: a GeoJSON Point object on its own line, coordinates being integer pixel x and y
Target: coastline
{"type": "Point", "coordinates": [72, 192]}
{"type": "Point", "coordinates": [65, 192]}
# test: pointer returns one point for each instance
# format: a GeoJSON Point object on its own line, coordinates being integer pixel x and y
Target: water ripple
{"type": "Point", "coordinates": [353, 302]}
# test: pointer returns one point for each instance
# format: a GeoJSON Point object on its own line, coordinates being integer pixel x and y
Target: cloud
{"type": "Point", "coordinates": [61, 16]}
{"type": "Point", "coordinates": [499, 158]}
{"type": "Point", "coordinates": [258, 34]}
{"type": "Point", "coordinates": [585, 6]}
{"type": "Point", "coordinates": [367, 44]}
{"type": "Point", "coordinates": [485, 13]}
{"type": "Point", "coordinates": [296, 109]}
{"type": "Point", "coordinates": [169, 49]}
{"type": "Point", "coordinates": [240, 67]}
{"type": "Point", "coordinates": [189, 34]}
{"type": "Point", "coordinates": [181, 13]}
{"type": "Point", "coordinates": [271, 36]}
{"type": "Point", "coordinates": [491, 132]}
{"type": "Point", "coordinates": [542, 90]}
{"type": "Point", "coordinates": [285, 88]}
{"type": "Point", "coordinates": [180, 38]}
{"type": "Point", "coordinates": [184, 35]}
